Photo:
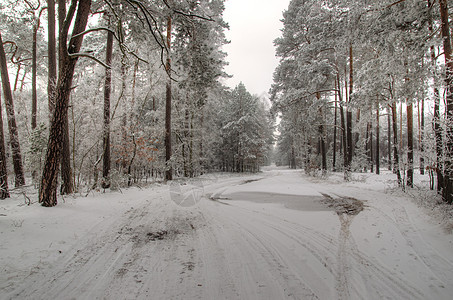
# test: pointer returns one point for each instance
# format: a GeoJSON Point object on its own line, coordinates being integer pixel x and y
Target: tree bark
{"type": "Point", "coordinates": [389, 141]}
{"type": "Point", "coordinates": [48, 189]}
{"type": "Point", "coordinates": [13, 134]}
{"type": "Point", "coordinates": [410, 145]}
{"type": "Point", "coordinates": [334, 159]}
{"type": "Point", "coordinates": [293, 155]}
{"type": "Point", "coordinates": [396, 162]}
{"type": "Point", "coordinates": [107, 93]}
{"type": "Point", "coordinates": [378, 165]}
{"type": "Point", "coordinates": [349, 116]}
{"type": "Point", "coordinates": [168, 152]}
{"type": "Point", "coordinates": [343, 128]}
{"type": "Point", "coordinates": [447, 192]}
{"type": "Point", "coordinates": [322, 140]}
{"type": "Point", "coordinates": [421, 139]}
{"type": "Point", "coordinates": [19, 66]}
{"type": "Point", "coordinates": [67, 184]}
{"type": "Point", "coordinates": [369, 145]}
{"type": "Point", "coordinates": [4, 191]}
{"type": "Point", "coordinates": [124, 129]}
{"type": "Point", "coordinates": [34, 96]}
{"type": "Point", "coordinates": [51, 56]}
{"type": "Point", "coordinates": [436, 120]}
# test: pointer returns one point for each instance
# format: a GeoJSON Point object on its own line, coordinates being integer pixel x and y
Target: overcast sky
{"type": "Point", "coordinates": [254, 24]}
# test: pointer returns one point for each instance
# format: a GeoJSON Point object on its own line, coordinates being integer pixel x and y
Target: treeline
{"type": "Point", "coordinates": [352, 77]}
{"type": "Point", "coordinates": [120, 92]}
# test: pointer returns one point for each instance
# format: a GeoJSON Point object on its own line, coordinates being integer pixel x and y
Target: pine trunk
{"type": "Point", "coordinates": [334, 159]}
{"type": "Point", "coordinates": [343, 128]}
{"type": "Point", "coordinates": [447, 192]}
{"type": "Point", "coordinates": [201, 163]}
{"type": "Point", "coordinates": [378, 154]}
{"type": "Point", "coordinates": [421, 139]}
{"type": "Point", "coordinates": [369, 145]}
{"type": "Point", "coordinates": [349, 116]}
{"type": "Point", "coordinates": [436, 120]}
{"type": "Point", "coordinates": [322, 140]}
{"type": "Point", "coordinates": [16, 81]}
{"type": "Point", "coordinates": [323, 147]}
{"type": "Point", "coordinates": [48, 189]}
{"type": "Point", "coordinates": [389, 140]}
{"type": "Point", "coordinates": [124, 131]}
{"type": "Point", "coordinates": [51, 56]}
{"type": "Point", "coordinates": [396, 162]}
{"type": "Point", "coordinates": [66, 170]}
{"type": "Point", "coordinates": [293, 156]}
{"type": "Point", "coordinates": [4, 191]}
{"type": "Point", "coordinates": [13, 134]}
{"type": "Point", "coordinates": [410, 145]}
{"type": "Point", "coordinates": [34, 96]}
{"type": "Point", "coordinates": [107, 93]}
{"type": "Point", "coordinates": [67, 186]}
{"type": "Point", "coordinates": [168, 152]}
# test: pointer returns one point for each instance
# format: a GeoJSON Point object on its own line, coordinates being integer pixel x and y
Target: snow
{"type": "Point", "coordinates": [278, 234]}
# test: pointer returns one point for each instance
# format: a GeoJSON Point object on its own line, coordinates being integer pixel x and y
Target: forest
{"type": "Point", "coordinates": [365, 85]}
{"type": "Point", "coordinates": [105, 94]}
{"type": "Point", "coordinates": [109, 93]}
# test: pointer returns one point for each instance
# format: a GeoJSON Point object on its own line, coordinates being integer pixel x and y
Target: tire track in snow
{"type": "Point", "coordinates": [216, 269]}
{"type": "Point", "coordinates": [264, 264]}
{"type": "Point", "coordinates": [371, 275]}
{"type": "Point", "coordinates": [84, 272]}
{"type": "Point", "coordinates": [438, 266]}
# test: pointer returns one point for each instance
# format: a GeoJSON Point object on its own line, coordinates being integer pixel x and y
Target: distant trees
{"type": "Point", "coordinates": [99, 121]}
{"type": "Point", "coordinates": [246, 132]}
{"type": "Point", "coordinates": [373, 56]}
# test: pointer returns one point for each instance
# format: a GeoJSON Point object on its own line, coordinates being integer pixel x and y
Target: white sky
{"type": "Point", "coordinates": [254, 24]}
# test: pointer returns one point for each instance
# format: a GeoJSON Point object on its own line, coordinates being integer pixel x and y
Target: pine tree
{"type": "Point", "coordinates": [106, 127]}
{"type": "Point", "coordinates": [4, 191]}
{"type": "Point", "coordinates": [68, 60]}
{"type": "Point", "coordinates": [13, 132]}
{"type": "Point", "coordinates": [168, 142]}
{"type": "Point", "coordinates": [447, 192]}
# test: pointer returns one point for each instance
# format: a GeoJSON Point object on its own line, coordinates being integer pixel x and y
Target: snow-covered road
{"type": "Point", "coordinates": [275, 235]}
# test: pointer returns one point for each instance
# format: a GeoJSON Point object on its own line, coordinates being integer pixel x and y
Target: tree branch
{"type": "Point", "coordinates": [75, 55]}
{"type": "Point", "coordinates": [187, 14]}
{"type": "Point", "coordinates": [96, 29]}
{"type": "Point", "coordinates": [395, 3]}
{"type": "Point", "coordinates": [31, 6]}
{"type": "Point", "coordinates": [64, 31]}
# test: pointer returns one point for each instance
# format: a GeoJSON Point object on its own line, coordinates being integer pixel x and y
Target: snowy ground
{"type": "Point", "coordinates": [274, 235]}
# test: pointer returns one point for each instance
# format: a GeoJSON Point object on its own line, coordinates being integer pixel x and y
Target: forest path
{"type": "Point", "coordinates": [274, 235]}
